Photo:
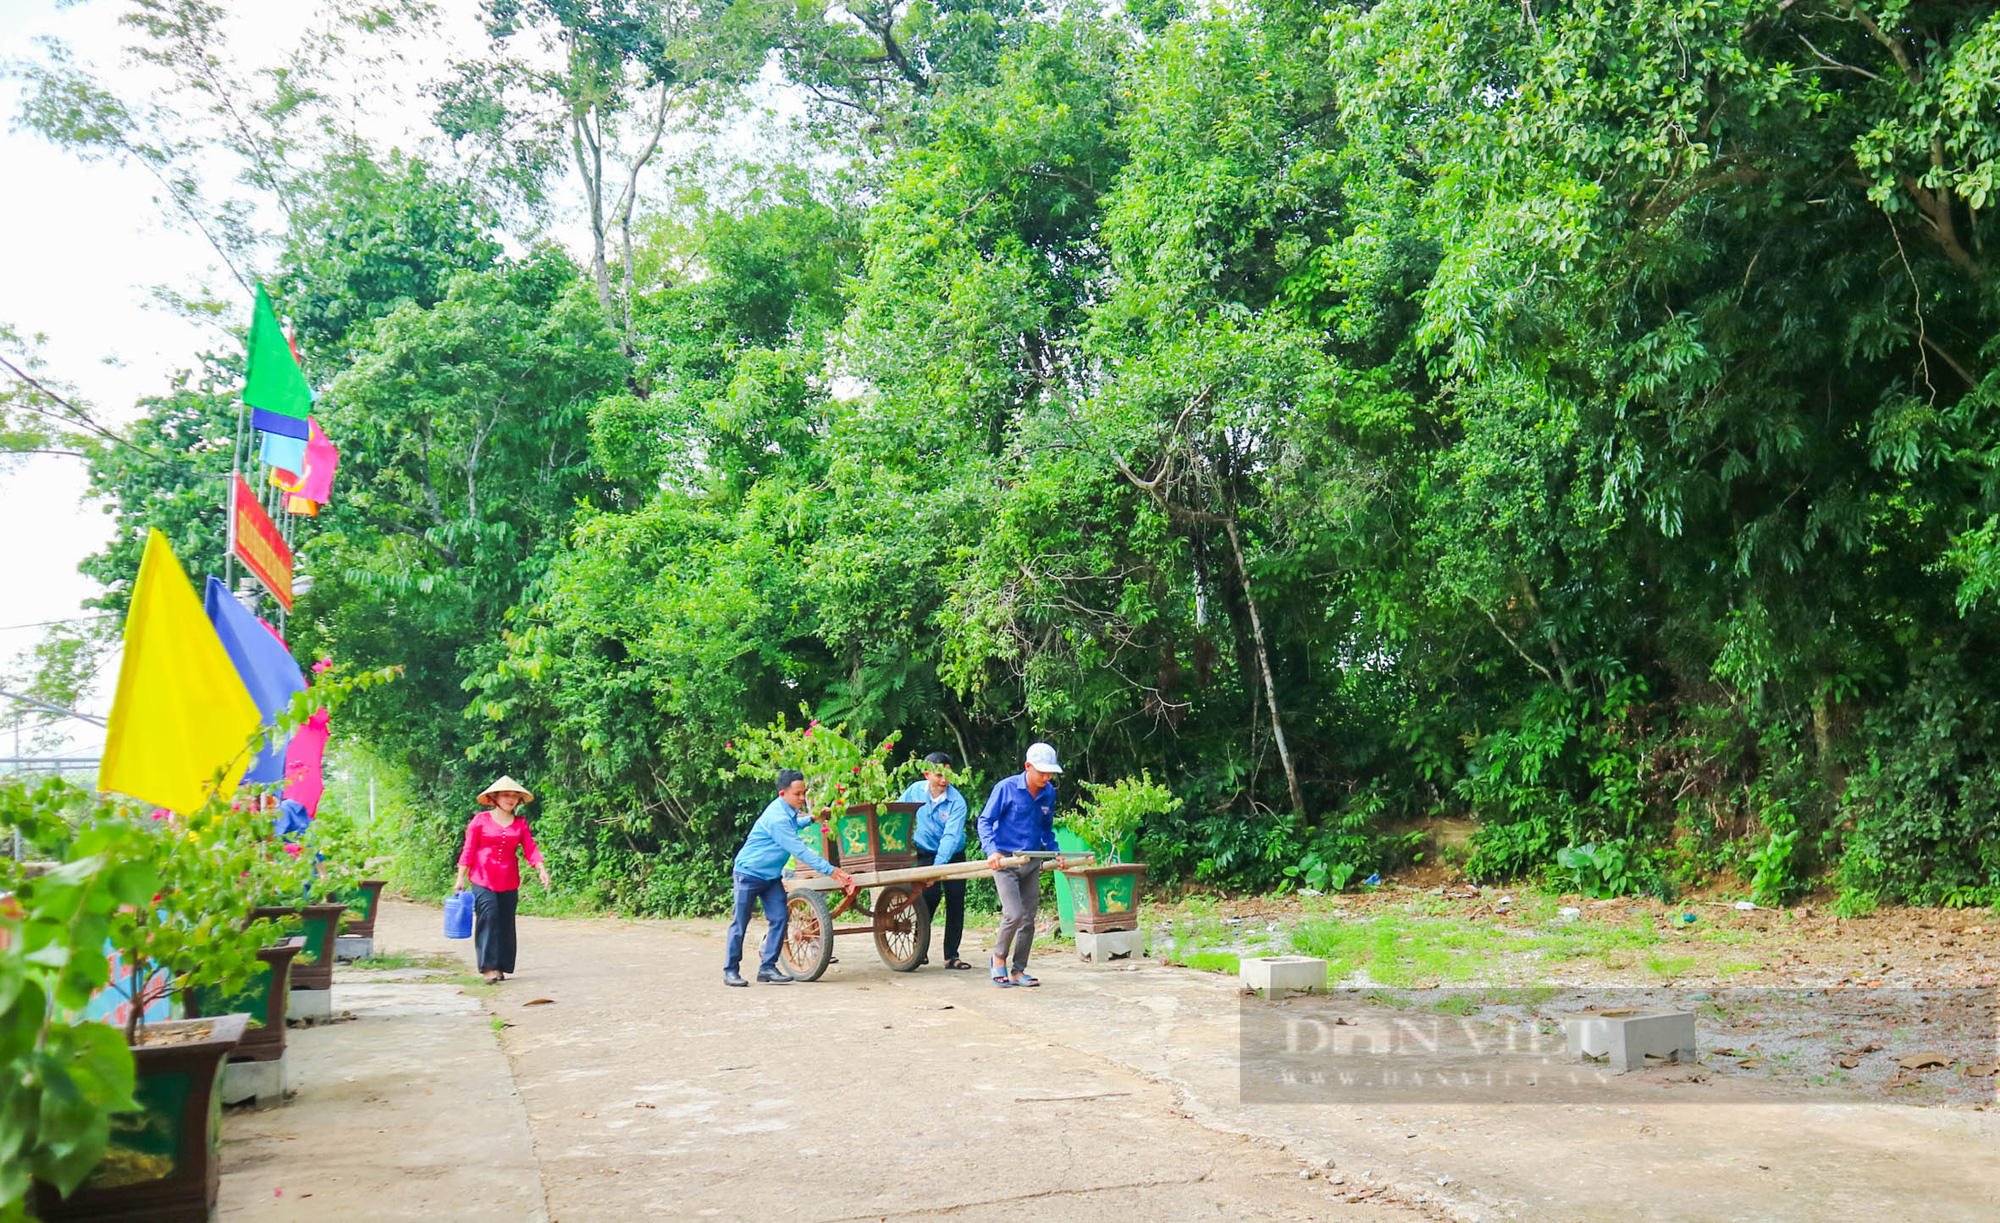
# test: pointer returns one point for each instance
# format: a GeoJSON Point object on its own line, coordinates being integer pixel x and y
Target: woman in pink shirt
{"type": "Point", "coordinates": [492, 839]}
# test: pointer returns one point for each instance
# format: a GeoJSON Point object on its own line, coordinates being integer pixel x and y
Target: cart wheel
{"type": "Point", "coordinates": [808, 945]}
{"type": "Point", "coordinates": [902, 926]}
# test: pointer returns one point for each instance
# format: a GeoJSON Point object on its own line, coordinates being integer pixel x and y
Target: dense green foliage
{"type": "Point", "coordinates": [1580, 419]}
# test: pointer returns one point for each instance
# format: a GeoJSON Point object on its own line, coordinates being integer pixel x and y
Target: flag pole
{"type": "Point", "coordinates": [229, 504]}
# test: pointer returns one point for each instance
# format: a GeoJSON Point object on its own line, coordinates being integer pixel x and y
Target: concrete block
{"type": "Point", "coordinates": [1273, 975]}
{"type": "Point", "coordinates": [263, 1082]}
{"type": "Point", "coordinates": [309, 1004]}
{"type": "Point", "coordinates": [353, 947]}
{"type": "Point", "coordinates": [1624, 1038]}
{"type": "Point", "coordinates": [1113, 945]}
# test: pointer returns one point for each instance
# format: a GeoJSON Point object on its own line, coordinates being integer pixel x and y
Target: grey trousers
{"type": "Point", "coordinates": [1020, 890]}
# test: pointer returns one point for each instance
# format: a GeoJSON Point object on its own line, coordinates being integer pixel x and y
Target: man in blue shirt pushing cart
{"type": "Point", "coordinates": [939, 834]}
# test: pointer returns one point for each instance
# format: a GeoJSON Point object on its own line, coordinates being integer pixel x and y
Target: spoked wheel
{"type": "Point", "coordinates": [902, 926]}
{"type": "Point", "coordinates": [808, 945]}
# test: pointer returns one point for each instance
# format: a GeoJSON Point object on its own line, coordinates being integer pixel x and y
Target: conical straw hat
{"type": "Point", "coordinates": [506, 785]}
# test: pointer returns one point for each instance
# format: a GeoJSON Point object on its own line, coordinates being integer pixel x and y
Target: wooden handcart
{"type": "Point", "coordinates": [896, 913]}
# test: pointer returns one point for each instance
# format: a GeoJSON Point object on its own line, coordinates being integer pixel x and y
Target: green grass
{"type": "Point", "coordinates": [1581, 940]}
{"type": "Point", "coordinates": [1457, 1004]}
{"type": "Point", "coordinates": [1397, 950]}
{"type": "Point", "coordinates": [1669, 967]}
{"type": "Point", "coordinates": [1724, 935]}
{"type": "Point", "coordinates": [1210, 961]}
{"type": "Point", "coordinates": [1190, 934]}
{"type": "Point", "coordinates": [406, 959]}
{"type": "Point", "coordinates": [1527, 997]}
{"type": "Point", "coordinates": [1730, 969]}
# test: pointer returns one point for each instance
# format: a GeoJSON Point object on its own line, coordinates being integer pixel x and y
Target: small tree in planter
{"type": "Point", "coordinates": [65, 1075]}
{"type": "Point", "coordinates": [187, 884]}
{"type": "Point", "coordinates": [213, 866]}
{"type": "Point", "coordinates": [1113, 812]}
{"type": "Point", "coordinates": [847, 782]}
{"type": "Point", "coordinates": [1106, 896]}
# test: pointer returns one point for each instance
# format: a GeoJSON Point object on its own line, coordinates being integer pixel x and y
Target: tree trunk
{"type": "Point", "coordinates": [1264, 664]}
{"type": "Point", "coordinates": [588, 148]}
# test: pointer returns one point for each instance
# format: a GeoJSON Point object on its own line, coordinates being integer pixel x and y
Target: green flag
{"type": "Point", "coordinates": [273, 382]}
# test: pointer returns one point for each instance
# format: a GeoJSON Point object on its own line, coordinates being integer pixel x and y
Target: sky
{"type": "Point", "coordinates": [85, 244]}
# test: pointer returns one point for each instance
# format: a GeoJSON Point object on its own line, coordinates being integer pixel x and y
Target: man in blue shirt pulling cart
{"type": "Point", "coordinates": [760, 877]}
{"type": "Point", "coordinates": [1019, 817]}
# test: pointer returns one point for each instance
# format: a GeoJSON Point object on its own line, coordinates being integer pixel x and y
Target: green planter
{"type": "Point", "coordinates": [164, 1161]}
{"type": "Point", "coordinates": [264, 1001]}
{"type": "Point", "coordinates": [362, 902]}
{"type": "Point", "coordinates": [876, 836]}
{"type": "Point", "coordinates": [313, 969]}
{"type": "Point", "coordinates": [1104, 898]}
{"type": "Point", "coordinates": [1070, 843]}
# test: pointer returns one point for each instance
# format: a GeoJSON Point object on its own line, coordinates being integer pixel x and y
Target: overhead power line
{"type": "Point", "coordinates": [93, 719]}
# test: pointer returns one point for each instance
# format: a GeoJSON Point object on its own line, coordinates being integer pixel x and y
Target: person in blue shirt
{"type": "Point", "coordinates": [760, 877]}
{"type": "Point", "coordinates": [1019, 815]}
{"type": "Point", "coordinates": [940, 837]}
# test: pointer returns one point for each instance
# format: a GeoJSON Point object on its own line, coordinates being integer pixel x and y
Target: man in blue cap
{"type": "Point", "coordinates": [760, 877]}
{"type": "Point", "coordinates": [1019, 815]}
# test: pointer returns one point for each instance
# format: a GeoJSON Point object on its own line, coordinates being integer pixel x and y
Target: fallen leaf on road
{"type": "Point", "coordinates": [1981, 1072]}
{"type": "Point", "coordinates": [1922, 1061]}
{"type": "Point", "coordinates": [643, 1104]}
{"type": "Point", "coordinates": [1749, 1063]}
{"type": "Point", "coordinates": [1847, 1061]}
{"type": "Point", "coordinates": [1870, 1047]}
{"type": "Point", "coordinates": [538, 1002]}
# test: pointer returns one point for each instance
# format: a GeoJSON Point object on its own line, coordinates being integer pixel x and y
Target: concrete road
{"type": "Point", "coordinates": [656, 1092]}
{"type": "Point", "coordinates": [651, 1090]}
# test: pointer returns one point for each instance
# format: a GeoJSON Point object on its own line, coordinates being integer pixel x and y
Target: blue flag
{"type": "Point", "coordinates": [265, 665]}
{"type": "Point", "coordinates": [278, 423]}
{"type": "Point", "coordinates": [284, 453]}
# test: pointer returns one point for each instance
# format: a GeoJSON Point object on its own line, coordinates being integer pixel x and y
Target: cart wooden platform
{"type": "Point", "coordinates": [896, 917]}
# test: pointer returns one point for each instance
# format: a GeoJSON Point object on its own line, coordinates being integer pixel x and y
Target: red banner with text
{"type": "Point", "coordinates": [260, 545]}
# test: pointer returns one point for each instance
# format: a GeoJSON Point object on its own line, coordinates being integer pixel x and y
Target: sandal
{"type": "Point", "coordinates": [1024, 980]}
{"type": "Point", "coordinates": [491, 977]}
{"type": "Point", "coordinates": [956, 964]}
{"type": "Point", "coordinates": [998, 968]}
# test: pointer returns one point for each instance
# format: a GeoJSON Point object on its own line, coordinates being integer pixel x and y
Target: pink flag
{"type": "Point", "coordinates": [303, 782]}
{"type": "Point", "coordinates": [315, 483]}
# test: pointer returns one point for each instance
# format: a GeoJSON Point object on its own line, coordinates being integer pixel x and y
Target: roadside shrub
{"type": "Point", "coordinates": [1603, 871]}
{"type": "Point", "coordinates": [1926, 803]}
{"type": "Point", "coordinates": [683, 882]}
{"type": "Point", "coordinates": [1507, 851]}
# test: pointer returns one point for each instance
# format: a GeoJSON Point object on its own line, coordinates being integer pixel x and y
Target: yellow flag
{"type": "Point", "coordinates": [181, 711]}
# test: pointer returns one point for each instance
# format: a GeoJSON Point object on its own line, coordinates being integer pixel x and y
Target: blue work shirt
{"type": "Point", "coordinates": [1015, 820]}
{"type": "Point", "coordinates": [940, 827]}
{"type": "Point", "coordinates": [774, 840]}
